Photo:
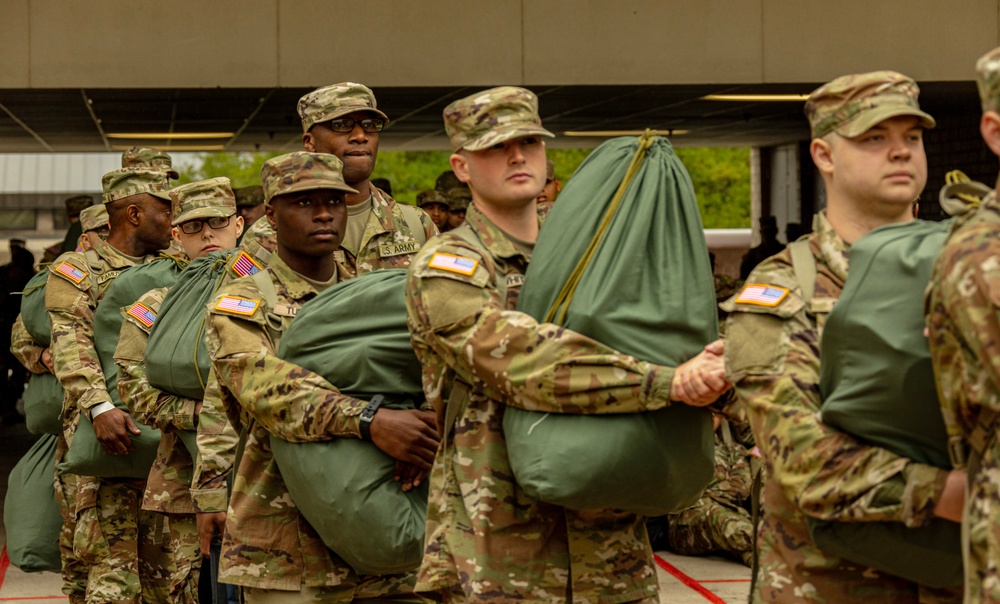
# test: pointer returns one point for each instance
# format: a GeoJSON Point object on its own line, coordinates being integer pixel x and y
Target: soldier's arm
{"type": "Point", "coordinates": [152, 406]}
{"type": "Point", "coordinates": [217, 442]}
{"type": "Point", "coordinates": [772, 357]}
{"type": "Point", "coordinates": [530, 365]}
{"type": "Point", "coordinates": [24, 348]}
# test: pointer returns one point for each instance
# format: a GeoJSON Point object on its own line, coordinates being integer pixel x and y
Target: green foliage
{"type": "Point", "coordinates": [721, 175]}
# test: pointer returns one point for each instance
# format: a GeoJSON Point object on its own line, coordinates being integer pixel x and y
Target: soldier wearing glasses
{"type": "Point", "coordinates": [343, 120]}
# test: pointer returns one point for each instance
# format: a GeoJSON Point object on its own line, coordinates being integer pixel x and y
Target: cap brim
{"type": "Point", "coordinates": [505, 133]}
{"type": "Point", "coordinates": [173, 174]}
{"type": "Point", "coordinates": [164, 195]}
{"type": "Point", "coordinates": [349, 110]}
{"type": "Point", "coordinates": [208, 212]}
{"type": "Point", "coordinates": [867, 120]}
{"type": "Point", "coordinates": [312, 185]}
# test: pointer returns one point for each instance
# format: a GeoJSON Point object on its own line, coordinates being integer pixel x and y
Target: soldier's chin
{"type": "Point", "coordinates": [357, 169]}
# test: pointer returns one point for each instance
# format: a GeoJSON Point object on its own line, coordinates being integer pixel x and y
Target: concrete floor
{"type": "Point", "coordinates": [683, 579]}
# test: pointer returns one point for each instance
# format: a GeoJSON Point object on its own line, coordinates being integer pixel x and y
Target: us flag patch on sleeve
{"type": "Point", "coordinates": [245, 265]}
{"type": "Point", "coordinates": [237, 305]}
{"type": "Point", "coordinates": [70, 272]}
{"type": "Point", "coordinates": [142, 313]}
{"type": "Point", "coordinates": [761, 295]}
{"type": "Point", "coordinates": [453, 264]}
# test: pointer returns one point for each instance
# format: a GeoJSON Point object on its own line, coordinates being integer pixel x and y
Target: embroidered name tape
{"type": "Point", "coordinates": [397, 249]}
{"type": "Point", "coordinates": [142, 314]}
{"type": "Point", "coordinates": [237, 305]}
{"type": "Point", "coordinates": [71, 272]}
{"type": "Point", "coordinates": [245, 265]}
{"type": "Point", "coordinates": [761, 295]}
{"type": "Point", "coordinates": [454, 264]}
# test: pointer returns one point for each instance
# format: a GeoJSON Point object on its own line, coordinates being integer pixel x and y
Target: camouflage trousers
{"type": "Point", "coordinates": [458, 597]}
{"type": "Point", "coordinates": [186, 555]}
{"type": "Point", "coordinates": [712, 527]}
{"type": "Point", "coordinates": [324, 595]}
{"type": "Point", "coordinates": [74, 570]}
{"type": "Point", "coordinates": [128, 552]}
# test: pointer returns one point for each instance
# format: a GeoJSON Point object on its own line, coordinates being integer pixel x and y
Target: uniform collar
{"type": "Point", "coordinates": [490, 234]}
{"type": "Point", "coordinates": [293, 283]}
{"type": "Point", "coordinates": [116, 258]}
{"type": "Point", "coordinates": [834, 252]}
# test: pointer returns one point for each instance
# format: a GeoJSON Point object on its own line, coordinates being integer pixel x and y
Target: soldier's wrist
{"type": "Point", "coordinates": [99, 408]}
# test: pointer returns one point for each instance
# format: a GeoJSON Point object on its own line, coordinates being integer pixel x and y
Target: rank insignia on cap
{"type": "Point", "coordinates": [71, 272]}
{"type": "Point", "coordinates": [761, 295]}
{"type": "Point", "coordinates": [245, 265]}
{"type": "Point", "coordinates": [142, 313]}
{"type": "Point", "coordinates": [237, 306]}
{"type": "Point", "coordinates": [454, 264]}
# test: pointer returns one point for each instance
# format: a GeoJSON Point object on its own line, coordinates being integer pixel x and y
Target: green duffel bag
{"type": "Point", "coordinates": [43, 399]}
{"type": "Point", "coordinates": [627, 224]}
{"type": "Point", "coordinates": [30, 512]}
{"type": "Point", "coordinates": [344, 487]}
{"type": "Point", "coordinates": [877, 384]}
{"type": "Point", "coordinates": [33, 313]}
{"type": "Point", "coordinates": [176, 357]}
{"type": "Point", "coordinates": [86, 457]}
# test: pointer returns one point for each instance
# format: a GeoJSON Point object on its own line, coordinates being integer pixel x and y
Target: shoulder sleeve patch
{"type": "Point", "coordinates": [235, 305]}
{"type": "Point", "coordinates": [761, 295]}
{"type": "Point", "coordinates": [245, 265]}
{"type": "Point", "coordinates": [453, 264]}
{"type": "Point", "coordinates": [142, 313]}
{"type": "Point", "coordinates": [70, 272]}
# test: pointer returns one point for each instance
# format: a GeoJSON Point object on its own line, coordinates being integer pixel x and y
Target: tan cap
{"type": "Point", "coordinates": [302, 171]}
{"type": "Point", "coordinates": [430, 196]}
{"type": "Point", "coordinates": [77, 203]}
{"type": "Point", "coordinates": [330, 102]}
{"type": "Point", "coordinates": [248, 197]}
{"type": "Point", "coordinates": [148, 157]}
{"type": "Point", "coordinates": [202, 199]}
{"type": "Point", "coordinates": [851, 105]}
{"type": "Point", "coordinates": [988, 80]}
{"type": "Point", "coordinates": [127, 182]}
{"type": "Point", "coordinates": [492, 116]}
{"type": "Point", "coordinates": [93, 218]}
{"type": "Point", "coordinates": [459, 199]}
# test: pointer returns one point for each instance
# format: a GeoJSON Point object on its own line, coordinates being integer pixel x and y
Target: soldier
{"type": "Point", "coordinates": [94, 221]}
{"type": "Point", "coordinates": [446, 181]}
{"type": "Point", "coordinates": [74, 205]}
{"type": "Point", "coordinates": [487, 540]}
{"type": "Point", "coordinates": [204, 221]}
{"type": "Point", "coordinates": [106, 510]}
{"type": "Point", "coordinates": [550, 191]}
{"type": "Point", "coordinates": [268, 547]}
{"type": "Point", "coordinates": [867, 144]}
{"type": "Point", "coordinates": [436, 206]}
{"type": "Point", "coordinates": [148, 157]}
{"type": "Point", "coordinates": [250, 204]}
{"type": "Point", "coordinates": [964, 330]}
{"type": "Point", "coordinates": [459, 199]}
{"type": "Point", "coordinates": [343, 120]}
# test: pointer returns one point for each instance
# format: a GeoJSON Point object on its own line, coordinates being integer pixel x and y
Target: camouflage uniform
{"type": "Point", "coordinates": [111, 533]}
{"type": "Point", "coordinates": [719, 521]}
{"type": "Point", "coordinates": [964, 328]}
{"type": "Point", "coordinates": [91, 219]}
{"type": "Point", "coordinates": [487, 540]}
{"type": "Point", "coordinates": [148, 157]}
{"type": "Point", "coordinates": [267, 544]}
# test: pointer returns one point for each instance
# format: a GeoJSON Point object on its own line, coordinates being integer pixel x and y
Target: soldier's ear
{"type": "Point", "coordinates": [132, 214]}
{"type": "Point", "coordinates": [307, 142]}
{"type": "Point", "coordinates": [821, 152]}
{"type": "Point", "coordinates": [989, 127]}
{"type": "Point", "coordinates": [460, 166]}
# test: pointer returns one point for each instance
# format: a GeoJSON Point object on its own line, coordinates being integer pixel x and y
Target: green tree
{"type": "Point", "coordinates": [721, 178]}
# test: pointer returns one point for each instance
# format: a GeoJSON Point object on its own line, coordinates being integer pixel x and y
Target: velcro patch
{"type": "Point", "coordinates": [237, 306]}
{"type": "Point", "coordinates": [245, 265]}
{"type": "Point", "coordinates": [142, 313]}
{"type": "Point", "coordinates": [761, 295]}
{"type": "Point", "coordinates": [71, 272]}
{"type": "Point", "coordinates": [453, 264]}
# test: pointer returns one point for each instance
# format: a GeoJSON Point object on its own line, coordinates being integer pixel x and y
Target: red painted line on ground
{"type": "Point", "coordinates": [724, 581]}
{"type": "Point", "coordinates": [686, 580]}
{"type": "Point", "coordinates": [26, 598]}
{"type": "Point", "coordinates": [4, 563]}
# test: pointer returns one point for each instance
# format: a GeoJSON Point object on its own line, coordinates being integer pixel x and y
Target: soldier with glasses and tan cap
{"type": "Point", "coordinates": [343, 120]}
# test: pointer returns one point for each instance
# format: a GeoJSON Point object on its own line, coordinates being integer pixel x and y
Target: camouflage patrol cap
{"type": "Point", "coordinates": [119, 184]}
{"type": "Point", "coordinates": [248, 197]}
{"type": "Point", "coordinates": [492, 116]}
{"type": "Point", "coordinates": [93, 218]}
{"type": "Point", "coordinates": [259, 238]}
{"type": "Point", "coordinates": [76, 204]}
{"type": "Point", "coordinates": [302, 171]}
{"type": "Point", "coordinates": [430, 196]}
{"type": "Point", "coordinates": [148, 157]}
{"type": "Point", "coordinates": [459, 199]}
{"type": "Point", "coordinates": [988, 80]}
{"type": "Point", "coordinates": [550, 170]}
{"type": "Point", "coordinates": [851, 105]}
{"type": "Point", "coordinates": [447, 181]}
{"type": "Point", "coordinates": [330, 102]}
{"type": "Point", "coordinates": [202, 199]}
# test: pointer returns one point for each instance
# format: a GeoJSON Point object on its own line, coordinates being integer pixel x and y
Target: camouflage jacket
{"type": "Point", "coordinates": [169, 482]}
{"type": "Point", "coordinates": [267, 543]}
{"type": "Point", "coordinates": [772, 358]}
{"type": "Point", "coordinates": [964, 328]}
{"type": "Point", "coordinates": [484, 534]}
{"type": "Point", "coordinates": [388, 241]}
{"type": "Point", "coordinates": [24, 348]}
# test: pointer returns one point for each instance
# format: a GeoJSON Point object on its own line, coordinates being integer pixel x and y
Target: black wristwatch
{"type": "Point", "coordinates": [368, 414]}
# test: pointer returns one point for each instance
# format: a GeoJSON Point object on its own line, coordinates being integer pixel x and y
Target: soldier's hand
{"type": "Point", "coordinates": [952, 500]}
{"type": "Point", "coordinates": [408, 435]}
{"type": "Point", "coordinates": [114, 430]}
{"type": "Point", "coordinates": [209, 524]}
{"type": "Point", "coordinates": [701, 380]}
{"type": "Point", "coordinates": [47, 360]}
{"type": "Point", "coordinates": [408, 475]}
